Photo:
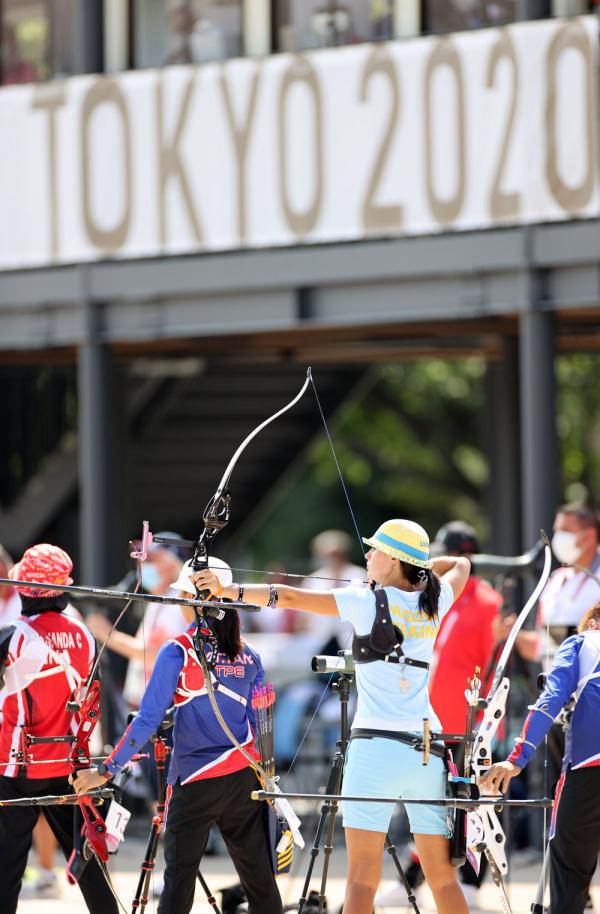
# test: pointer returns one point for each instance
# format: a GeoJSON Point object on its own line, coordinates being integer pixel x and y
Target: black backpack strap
{"type": "Point", "coordinates": [386, 638]}
{"type": "Point", "coordinates": [384, 642]}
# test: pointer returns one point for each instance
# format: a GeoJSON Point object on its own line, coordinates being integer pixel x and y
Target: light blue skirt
{"type": "Point", "coordinates": [381, 767]}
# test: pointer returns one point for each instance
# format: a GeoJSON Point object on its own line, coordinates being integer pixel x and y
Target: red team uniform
{"type": "Point", "coordinates": [465, 640]}
{"type": "Point", "coordinates": [48, 655]}
{"type": "Point", "coordinates": [45, 656]}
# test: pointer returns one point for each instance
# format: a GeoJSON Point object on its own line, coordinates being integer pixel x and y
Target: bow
{"type": "Point", "coordinates": [216, 516]}
{"type": "Point", "coordinates": [67, 799]}
{"type": "Point", "coordinates": [218, 510]}
{"type": "Point", "coordinates": [484, 823]}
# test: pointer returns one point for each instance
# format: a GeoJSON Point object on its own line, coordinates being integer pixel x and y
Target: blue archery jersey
{"type": "Point", "coordinates": [575, 673]}
{"type": "Point", "coordinates": [201, 749]}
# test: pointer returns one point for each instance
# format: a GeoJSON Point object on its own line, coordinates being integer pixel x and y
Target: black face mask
{"type": "Point", "coordinates": [33, 606]}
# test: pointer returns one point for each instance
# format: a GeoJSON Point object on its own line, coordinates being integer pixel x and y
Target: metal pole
{"type": "Point", "coordinates": [97, 513]}
{"type": "Point", "coordinates": [539, 447]}
{"type": "Point", "coordinates": [503, 435]}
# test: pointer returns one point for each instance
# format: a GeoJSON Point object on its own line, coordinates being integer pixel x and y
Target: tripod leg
{"type": "Point", "coordinates": [328, 808]}
{"type": "Point", "coordinates": [327, 849]}
{"type": "Point", "coordinates": [209, 895]}
{"type": "Point", "coordinates": [391, 849]}
{"type": "Point", "coordinates": [141, 896]}
{"type": "Point", "coordinates": [537, 906]}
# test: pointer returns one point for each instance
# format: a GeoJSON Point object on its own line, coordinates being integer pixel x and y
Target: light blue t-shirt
{"type": "Point", "coordinates": [393, 696]}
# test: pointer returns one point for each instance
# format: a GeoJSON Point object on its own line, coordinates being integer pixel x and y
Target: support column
{"type": "Point", "coordinates": [503, 434]}
{"type": "Point", "coordinates": [99, 506]}
{"type": "Point", "coordinates": [539, 444]}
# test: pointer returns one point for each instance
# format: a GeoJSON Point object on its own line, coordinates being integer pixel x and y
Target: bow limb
{"type": "Point", "coordinates": [522, 617]}
{"type": "Point", "coordinates": [91, 839]}
{"type": "Point", "coordinates": [218, 510]}
{"type": "Point", "coordinates": [498, 693]}
{"type": "Point", "coordinates": [490, 834]}
{"type": "Point", "coordinates": [94, 829]}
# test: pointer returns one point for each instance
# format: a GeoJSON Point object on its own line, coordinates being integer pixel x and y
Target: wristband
{"type": "Point", "coordinates": [240, 598]}
{"type": "Point", "coordinates": [273, 595]}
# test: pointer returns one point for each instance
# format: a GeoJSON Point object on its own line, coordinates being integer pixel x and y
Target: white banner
{"type": "Point", "coordinates": [474, 130]}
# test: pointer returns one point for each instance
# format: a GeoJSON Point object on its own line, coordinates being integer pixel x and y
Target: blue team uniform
{"type": "Point", "coordinates": [201, 749]}
{"type": "Point", "coordinates": [575, 672]}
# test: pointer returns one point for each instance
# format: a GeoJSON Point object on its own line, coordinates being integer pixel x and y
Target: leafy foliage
{"type": "Point", "coordinates": [578, 425]}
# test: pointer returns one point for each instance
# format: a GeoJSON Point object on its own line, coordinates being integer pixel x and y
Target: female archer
{"type": "Point", "coordinates": [45, 656]}
{"type": "Point", "coordinates": [210, 780]}
{"type": "Point", "coordinates": [392, 699]}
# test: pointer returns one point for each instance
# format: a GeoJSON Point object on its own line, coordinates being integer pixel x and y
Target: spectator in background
{"type": "Point", "coordinates": [196, 38]}
{"type": "Point", "coordinates": [466, 637]}
{"type": "Point", "coordinates": [14, 68]}
{"type": "Point", "coordinates": [570, 591]}
{"type": "Point", "coordinates": [159, 623]}
{"type": "Point", "coordinates": [10, 604]}
{"type": "Point", "coordinates": [567, 596]}
{"type": "Point", "coordinates": [332, 550]}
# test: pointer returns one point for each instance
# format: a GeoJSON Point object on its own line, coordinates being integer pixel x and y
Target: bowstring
{"type": "Point", "coordinates": [545, 825]}
{"type": "Point", "coordinates": [151, 886]}
{"type": "Point", "coordinates": [138, 584]}
{"type": "Point", "coordinates": [337, 464]}
{"type": "Point", "coordinates": [327, 685]}
{"type": "Point", "coordinates": [360, 543]}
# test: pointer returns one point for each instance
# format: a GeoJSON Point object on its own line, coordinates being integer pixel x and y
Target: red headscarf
{"type": "Point", "coordinates": [45, 563]}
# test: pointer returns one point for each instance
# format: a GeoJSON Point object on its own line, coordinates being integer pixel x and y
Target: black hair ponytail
{"type": "Point", "coordinates": [428, 598]}
{"type": "Point", "coordinates": [228, 633]}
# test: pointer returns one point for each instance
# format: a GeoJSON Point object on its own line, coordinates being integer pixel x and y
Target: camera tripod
{"type": "Point", "coordinates": [330, 808]}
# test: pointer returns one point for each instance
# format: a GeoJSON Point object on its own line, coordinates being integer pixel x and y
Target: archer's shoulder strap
{"type": "Point", "coordinates": [384, 641]}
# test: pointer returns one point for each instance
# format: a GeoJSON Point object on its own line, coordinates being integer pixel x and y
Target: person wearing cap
{"type": "Point", "coordinates": [392, 701]}
{"type": "Point", "coordinates": [465, 640]}
{"type": "Point", "coordinates": [209, 779]}
{"type": "Point", "coordinates": [159, 622]}
{"type": "Point", "coordinates": [466, 637]}
{"type": "Point", "coordinates": [45, 655]}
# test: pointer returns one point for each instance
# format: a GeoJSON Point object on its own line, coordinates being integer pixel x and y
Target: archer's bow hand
{"type": "Point", "coordinates": [207, 580]}
{"type": "Point", "coordinates": [87, 779]}
{"type": "Point", "coordinates": [499, 776]}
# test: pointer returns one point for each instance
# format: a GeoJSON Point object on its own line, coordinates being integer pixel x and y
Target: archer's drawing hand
{"type": "Point", "coordinates": [497, 779]}
{"type": "Point", "coordinates": [87, 780]}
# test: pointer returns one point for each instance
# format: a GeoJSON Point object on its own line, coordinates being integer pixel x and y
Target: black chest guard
{"type": "Point", "coordinates": [384, 641]}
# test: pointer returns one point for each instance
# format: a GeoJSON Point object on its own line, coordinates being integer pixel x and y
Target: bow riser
{"type": "Point", "coordinates": [490, 722]}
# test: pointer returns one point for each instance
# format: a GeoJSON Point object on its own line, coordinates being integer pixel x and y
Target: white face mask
{"type": "Point", "coordinates": [565, 548]}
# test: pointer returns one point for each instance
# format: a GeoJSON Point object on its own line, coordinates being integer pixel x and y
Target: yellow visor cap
{"type": "Point", "coordinates": [404, 540]}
